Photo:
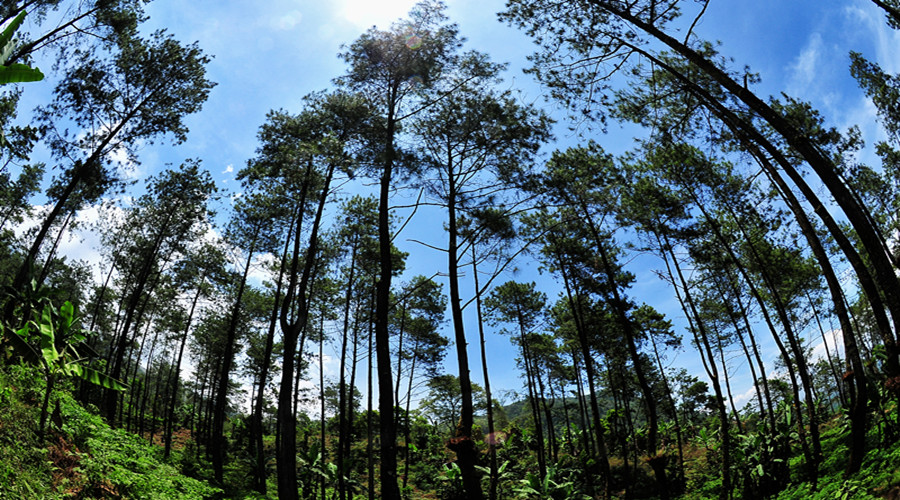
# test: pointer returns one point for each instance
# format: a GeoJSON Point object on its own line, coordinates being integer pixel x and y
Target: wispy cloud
{"type": "Point", "coordinates": [287, 21]}
{"type": "Point", "coordinates": [805, 69]}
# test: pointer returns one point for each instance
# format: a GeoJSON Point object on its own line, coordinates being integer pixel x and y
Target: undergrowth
{"type": "Point", "coordinates": [80, 456]}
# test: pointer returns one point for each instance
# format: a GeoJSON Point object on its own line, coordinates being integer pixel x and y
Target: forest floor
{"type": "Point", "coordinates": [80, 456]}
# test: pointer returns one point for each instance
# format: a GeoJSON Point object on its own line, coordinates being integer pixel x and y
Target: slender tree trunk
{"type": "Point", "coordinates": [322, 396]}
{"type": "Point", "coordinates": [408, 429]}
{"type": "Point", "coordinates": [492, 446]}
{"type": "Point", "coordinates": [370, 426]}
{"type": "Point", "coordinates": [343, 413]}
{"type": "Point", "coordinates": [400, 332]}
{"type": "Point", "coordinates": [145, 387]}
{"type": "Point", "coordinates": [548, 416]}
{"type": "Point", "coordinates": [620, 430]}
{"type": "Point", "coordinates": [737, 415]}
{"type": "Point", "coordinates": [390, 490]}
{"type": "Point", "coordinates": [530, 378]}
{"type": "Point", "coordinates": [671, 400]}
{"type": "Point", "coordinates": [587, 436]}
{"type": "Point", "coordinates": [584, 344]}
{"type": "Point", "coordinates": [570, 444]}
{"type": "Point", "coordinates": [463, 444]}
{"type": "Point", "coordinates": [287, 452]}
{"type": "Point", "coordinates": [257, 422]}
{"type": "Point", "coordinates": [831, 365]}
{"type": "Point", "coordinates": [784, 451]}
{"type": "Point", "coordinates": [656, 459]}
{"type": "Point", "coordinates": [699, 330]}
{"type": "Point", "coordinates": [52, 252]}
{"type": "Point", "coordinates": [176, 376]}
{"type": "Point", "coordinates": [351, 407]}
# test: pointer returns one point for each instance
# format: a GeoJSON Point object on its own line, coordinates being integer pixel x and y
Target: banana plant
{"type": "Point", "coordinates": [57, 336]}
{"type": "Point", "coordinates": [546, 488]}
{"type": "Point", "coordinates": [16, 72]}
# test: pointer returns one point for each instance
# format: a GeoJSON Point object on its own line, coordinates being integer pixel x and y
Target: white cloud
{"type": "Point", "coordinates": [833, 340]}
{"type": "Point", "coordinates": [870, 20]}
{"type": "Point", "coordinates": [259, 269]}
{"type": "Point", "coordinates": [79, 241]}
{"type": "Point", "coordinates": [288, 20]}
{"type": "Point", "coordinates": [365, 14]}
{"type": "Point", "coordinates": [806, 69]}
{"type": "Point", "coordinates": [741, 399]}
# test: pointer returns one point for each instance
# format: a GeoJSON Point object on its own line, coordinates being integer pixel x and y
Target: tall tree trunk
{"type": "Point", "coordinates": [463, 444]}
{"type": "Point", "coordinates": [671, 400]}
{"type": "Point", "coordinates": [699, 329]}
{"type": "Point", "coordinates": [587, 436]}
{"type": "Point", "coordinates": [287, 451]}
{"type": "Point", "coordinates": [176, 375]}
{"type": "Point", "coordinates": [492, 446]}
{"type": "Point", "coordinates": [256, 429]}
{"type": "Point", "coordinates": [370, 426]}
{"type": "Point", "coordinates": [52, 252]}
{"type": "Point", "coordinates": [533, 396]}
{"type": "Point", "coordinates": [584, 344]}
{"type": "Point", "coordinates": [390, 490]}
{"type": "Point", "coordinates": [407, 430]}
{"type": "Point", "coordinates": [737, 415]}
{"type": "Point", "coordinates": [656, 459]}
{"type": "Point", "coordinates": [344, 424]}
{"type": "Point", "coordinates": [831, 364]}
{"type": "Point", "coordinates": [322, 447]}
{"type": "Point", "coordinates": [221, 401]}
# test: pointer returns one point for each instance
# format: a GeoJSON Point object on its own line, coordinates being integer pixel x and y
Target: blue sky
{"type": "Point", "coordinates": [267, 55]}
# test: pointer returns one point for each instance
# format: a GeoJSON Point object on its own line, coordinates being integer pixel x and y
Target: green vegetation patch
{"type": "Point", "coordinates": [81, 455]}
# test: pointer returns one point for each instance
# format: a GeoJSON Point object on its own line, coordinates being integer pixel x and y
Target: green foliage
{"type": "Point", "coordinates": [451, 482]}
{"type": "Point", "coordinates": [58, 335]}
{"type": "Point", "coordinates": [24, 470]}
{"type": "Point", "coordinates": [16, 72]}
{"type": "Point", "coordinates": [50, 341]}
{"type": "Point", "coordinates": [85, 457]}
{"type": "Point", "coordinates": [547, 488]}
{"type": "Point", "coordinates": [313, 468]}
{"type": "Point", "coordinates": [134, 469]}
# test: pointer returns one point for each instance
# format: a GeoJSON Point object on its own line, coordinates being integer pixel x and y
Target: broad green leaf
{"type": "Point", "coordinates": [67, 314]}
{"type": "Point", "coordinates": [6, 36]}
{"type": "Point", "coordinates": [95, 377]}
{"type": "Point", "coordinates": [18, 73]}
{"type": "Point", "coordinates": [23, 348]}
{"type": "Point", "coordinates": [48, 336]}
